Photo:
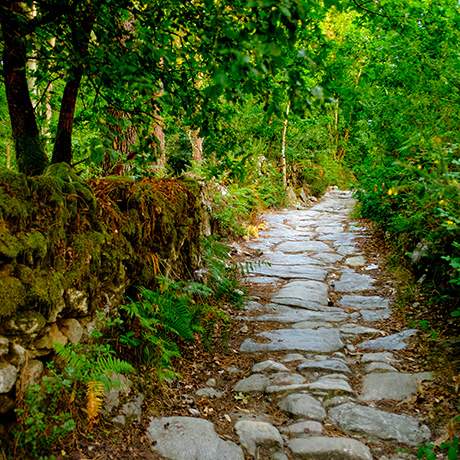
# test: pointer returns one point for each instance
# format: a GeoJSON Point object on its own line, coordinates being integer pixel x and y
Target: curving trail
{"type": "Point", "coordinates": [318, 357]}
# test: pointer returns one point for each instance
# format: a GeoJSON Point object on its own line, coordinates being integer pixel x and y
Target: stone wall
{"type": "Point", "coordinates": [69, 248]}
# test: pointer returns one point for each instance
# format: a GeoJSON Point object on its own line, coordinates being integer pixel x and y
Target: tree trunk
{"type": "Point", "coordinates": [197, 144]}
{"type": "Point", "coordinates": [82, 24]}
{"type": "Point", "coordinates": [62, 151]}
{"type": "Point", "coordinates": [30, 155]}
{"type": "Point", "coordinates": [283, 147]}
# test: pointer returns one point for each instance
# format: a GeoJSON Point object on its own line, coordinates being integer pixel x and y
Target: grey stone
{"type": "Point", "coordinates": [328, 257]}
{"type": "Point", "coordinates": [122, 386]}
{"type": "Point", "coordinates": [77, 301]}
{"type": "Point", "coordinates": [293, 388]}
{"type": "Point", "coordinates": [252, 306]}
{"type": "Point", "coordinates": [283, 314]}
{"type": "Point", "coordinates": [189, 438]}
{"type": "Point", "coordinates": [314, 340]}
{"type": "Point", "coordinates": [378, 367]}
{"type": "Point", "coordinates": [391, 342]}
{"type": "Point", "coordinates": [290, 259]}
{"type": "Point", "coordinates": [345, 249]}
{"type": "Point", "coordinates": [375, 315]}
{"type": "Point", "coordinates": [119, 420]}
{"type": "Point", "coordinates": [286, 378]}
{"type": "Point", "coordinates": [255, 434]}
{"type": "Point", "coordinates": [354, 418]}
{"type": "Point", "coordinates": [356, 329]}
{"type": "Point", "coordinates": [391, 385]}
{"type": "Point", "coordinates": [330, 385]}
{"type": "Point", "coordinates": [209, 393]}
{"type": "Point", "coordinates": [302, 294]}
{"type": "Point", "coordinates": [303, 429]}
{"type": "Point", "coordinates": [8, 375]}
{"type": "Point", "coordinates": [132, 410]}
{"type": "Point", "coordinates": [304, 405]}
{"type": "Point", "coordinates": [328, 365]}
{"type": "Point", "coordinates": [233, 370]}
{"type": "Point", "coordinates": [367, 302]}
{"type": "Point", "coordinates": [293, 357]}
{"type": "Point", "coordinates": [279, 456]}
{"type": "Point", "coordinates": [211, 382]}
{"type": "Point", "coordinates": [337, 401]}
{"type": "Point", "coordinates": [18, 353]}
{"type": "Point", "coordinates": [72, 329]}
{"type": "Point", "coordinates": [52, 336]}
{"type": "Point", "coordinates": [4, 346]}
{"type": "Point", "coordinates": [254, 279]}
{"type": "Point", "coordinates": [255, 382]}
{"type": "Point", "coordinates": [326, 448]}
{"type": "Point", "coordinates": [311, 325]}
{"type": "Point", "coordinates": [269, 366]}
{"type": "Point", "coordinates": [355, 261]}
{"type": "Point", "coordinates": [31, 372]}
{"type": "Point", "coordinates": [383, 356]}
{"type": "Point", "coordinates": [27, 323]}
{"type": "Point", "coordinates": [291, 272]}
{"type": "Point", "coordinates": [293, 247]}
{"type": "Point", "coordinates": [351, 281]}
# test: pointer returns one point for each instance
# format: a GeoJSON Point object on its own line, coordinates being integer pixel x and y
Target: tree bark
{"type": "Point", "coordinates": [82, 25]}
{"type": "Point", "coordinates": [30, 155]}
{"type": "Point", "coordinates": [62, 151]}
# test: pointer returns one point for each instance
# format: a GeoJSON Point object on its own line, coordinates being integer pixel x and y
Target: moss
{"type": "Point", "coordinates": [13, 295]}
{"type": "Point", "coordinates": [10, 246]}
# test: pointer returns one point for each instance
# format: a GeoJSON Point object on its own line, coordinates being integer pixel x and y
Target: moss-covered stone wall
{"type": "Point", "coordinates": [69, 248]}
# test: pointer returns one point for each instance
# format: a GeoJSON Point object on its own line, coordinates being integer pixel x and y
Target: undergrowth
{"type": "Point", "coordinates": [148, 332]}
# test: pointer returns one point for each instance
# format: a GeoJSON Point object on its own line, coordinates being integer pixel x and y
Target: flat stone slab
{"type": "Point", "coordinates": [356, 329]}
{"type": "Point", "coordinates": [324, 340]}
{"type": "Point", "coordinates": [302, 294]}
{"type": "Point", "coordinates": [326, 448]}
{"type": "Point", "coordinates": [327, 257]}
{"type": "Point", "coordinates": [190, 438]}
{"type": "Point", "coordinates": [254, 434]}
{"type": "Point", "coordinates": [279, 258]}
{"type": "Point", "coordinates": [293, 247]}
{"type": "Point", "coordinates": [285, 314]}
{"type": "Point", "coordinates": [391, 385]}
{"type": "Point", "coordinates": [302, 404]}
{"type": "Point", "coordinates": [355, 418]}
{"type": "Point", "coordinates": [377, 366]}
{"type": "Point", "coordinates": [351, 281]}
{"type": "Point", "coordinates": [367, 302]}
{"type": "Point", "coordinates": [255, 382]}
{"type": "Point", "coordinates": [255, 279]}
{"type": "Point", "coordinates": [356, 261]}
{"type": "Point", "coordinates": [375, 315]}
{"type": "Point", "coordinates": [302, 429]}
{"type": "Point", "coordinates": [327, 365]}
{"type": "Point", "coordinates": [327, 384]}
{"type": "Point", "coordinates": [269, 366]}
{"type": "Point", "coordinates": [391, 342]}
{"type": "Point", "coordinates": [291, 272]}
{"type": "Point", "coordinates": [382, 356]}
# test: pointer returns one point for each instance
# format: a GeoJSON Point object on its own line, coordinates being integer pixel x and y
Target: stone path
{"type": "Point", "coordinates": [322, 308]}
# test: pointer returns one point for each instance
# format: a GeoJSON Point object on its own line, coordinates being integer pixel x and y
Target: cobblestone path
{"type": "Point", "coordinates": [323, 364]}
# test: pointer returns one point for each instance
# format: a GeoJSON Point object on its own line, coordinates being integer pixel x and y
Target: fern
{"type": "Point", "coordinates": [94, 400]}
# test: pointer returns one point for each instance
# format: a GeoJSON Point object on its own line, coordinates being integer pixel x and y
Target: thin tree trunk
{"type": "Point", "coordinates": [30, 156]}
{"type": "Point", "coordinates": [81, 29]}
{"type": "Point", "coordinates": [62, 151]}
{"type": "Point", "coordinates": [197, 144]}
{"type": "Point", "coordinates": [283, 147]}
